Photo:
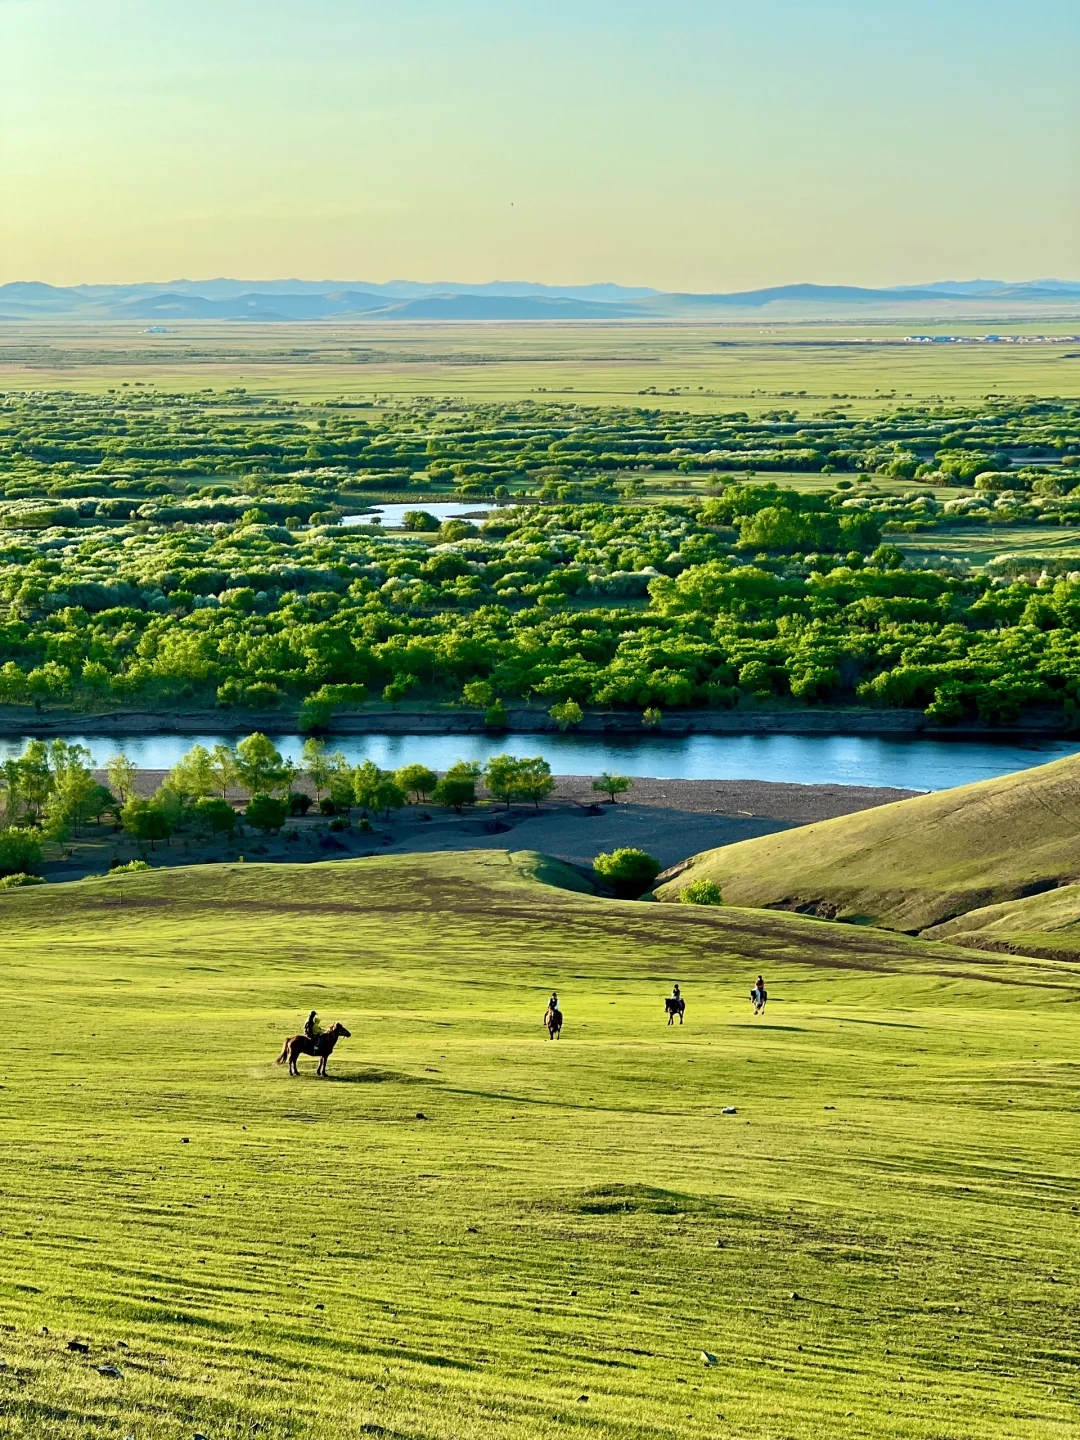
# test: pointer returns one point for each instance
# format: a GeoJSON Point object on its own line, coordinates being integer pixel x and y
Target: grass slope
{"type": "Point", "coordinates": [916, 863]}
{"type": "Point", "coordinates": [1046, 925]}
{"type": "Point", "coordinates": [469, 1231]}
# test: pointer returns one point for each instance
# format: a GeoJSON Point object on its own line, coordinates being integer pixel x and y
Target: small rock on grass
{"type": "Point", "coordinates": [113, 1371]}
{"type": "Point", "coordinates": [729, 1110]}
{"type": "Point", "coordinates": [709, 1358]}
{"type": "Point", "coordinates": [79, 1346]}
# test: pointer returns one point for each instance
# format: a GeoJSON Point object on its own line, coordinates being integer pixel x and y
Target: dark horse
{"type": "Point", "coordinates": [674, 1007]}
{"type": "Point", "coordinates": [553, 1023]}
{"type": "Point", "coordinates": [320, 1046]}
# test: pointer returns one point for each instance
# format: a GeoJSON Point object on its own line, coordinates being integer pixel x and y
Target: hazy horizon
{"type": "Point", "coordinates": [701, 147]}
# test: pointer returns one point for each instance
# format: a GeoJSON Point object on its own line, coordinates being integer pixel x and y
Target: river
{"type": "Point", "coordinates": [917, 763]}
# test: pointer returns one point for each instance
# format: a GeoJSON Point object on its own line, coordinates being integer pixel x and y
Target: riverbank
{"type": "Point", "coordinates": [526, 719]}
{"type": "Point", "coordinates": [671, 819]}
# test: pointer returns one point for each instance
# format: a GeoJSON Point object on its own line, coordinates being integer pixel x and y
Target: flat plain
{"type": "Point", "coordinates": [469, 1230]}
{"type": "Point", "coordinates": [665, 365]}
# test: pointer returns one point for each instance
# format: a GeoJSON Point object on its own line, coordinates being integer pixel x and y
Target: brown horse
{"type": "Point", "coordinates": [320, 1046]}
{"type": "Point", "coordinates": [674, 1007]}
{"type": "Point", "coordinates": [553, 1023]}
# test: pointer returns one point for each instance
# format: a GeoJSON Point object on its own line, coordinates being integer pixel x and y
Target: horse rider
{"type": "Point", "coordinates": [312, 1028]}
{"type": "Point", "coordinates": [758, 992]}
{"type": "Point", "coordinates": [553, 1003]}
{"type": "Point", "coordinates": [675, 995]}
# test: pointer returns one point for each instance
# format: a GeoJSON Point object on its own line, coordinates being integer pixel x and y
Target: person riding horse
{"type": "Point", "coordinates": [314, 1031]}
{"type": "Point", "coordinates": [674, 1005]}
{"type": "Point", "coordinates": [758, 995]}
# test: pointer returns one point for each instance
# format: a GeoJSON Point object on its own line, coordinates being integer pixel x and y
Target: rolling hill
{"type": "Point", "coordinates": [1046, 926]}
{"type": "Point", "coordinates": [916, 863]}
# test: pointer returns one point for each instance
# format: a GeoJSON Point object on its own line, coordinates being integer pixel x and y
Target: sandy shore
{"type": "Point", "coordinates": [671, 819]}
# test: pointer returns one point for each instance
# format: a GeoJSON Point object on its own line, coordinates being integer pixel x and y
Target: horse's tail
{"type": "Point", "coordinates": [284, 1054]}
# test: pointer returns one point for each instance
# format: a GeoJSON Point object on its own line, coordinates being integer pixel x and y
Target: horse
{"type": "Point", "coordinates": [553, 1023]}
{"type": "Point", "coordinates": [758, 999]}
{"type": "Point", "coordinates": [674, 1007]}
{"type": "Point", "coordinates": [320, 1046]}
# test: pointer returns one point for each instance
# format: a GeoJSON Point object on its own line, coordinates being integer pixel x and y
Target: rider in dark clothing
{"type": "Point", "coordinates": [553, 1003]}
{"type": "Point", "coordinates": [312, 1026]}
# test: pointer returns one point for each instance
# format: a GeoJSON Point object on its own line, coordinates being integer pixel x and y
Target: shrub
{"type": "Point", "coordinates": [16, 882]}
{"type": "Point", "coordinates": [701, 892]}
{"type": "Point", "coordinates": [651, 717]}
{"type": "Point", "coordinates": [420, 520]}
{"type": "Point", "coordinates": [567, 714]}
{"type": "Point", "coordinates": [628, 872]}
{"type": "Point", "coordinates": [130, 868]}
{"type": "Point", "coordinates": [495, 715]}
{"type": "Point", "coordinates": [20, 851]}
{"type": "Point", "coordinates": [341, 823]}
{"type": "Point", "coordinates": [327, 806]}
{"type": "Point", "coordinates": [214, 816]}
{"type": "Point", "coordinates": [299, 803]}
{"type": "Point", "coordinates": [266, 813]}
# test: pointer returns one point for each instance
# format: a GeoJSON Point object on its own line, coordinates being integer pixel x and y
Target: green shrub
{"type": "Point", "coordinates": [20, 851]}
{"type": "Point", "coordinates": [16, 882]}
{"type": "Point", "coordinates": [266, 813]}
{"type": "Point", "coordinates": [567, 714]}
{"type": "Point", "coordinates": [629, 872]}
{"type": "Point", "coordinates": [131, 868]}
{"type": "Point", "coordinates": [701, 892]}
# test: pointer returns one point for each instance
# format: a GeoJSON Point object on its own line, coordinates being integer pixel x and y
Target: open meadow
{"type": "Point", "coordinates": [470, 1231]}
{"type": "Point", "coordinates": [665, 365]}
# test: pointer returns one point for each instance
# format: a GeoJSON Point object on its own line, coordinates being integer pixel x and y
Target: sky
{"type": "Point", "coordinates": [702, 145]}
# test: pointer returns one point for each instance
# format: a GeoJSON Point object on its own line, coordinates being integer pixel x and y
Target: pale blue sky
{"type": "Point", "coordinates": [685, 144]}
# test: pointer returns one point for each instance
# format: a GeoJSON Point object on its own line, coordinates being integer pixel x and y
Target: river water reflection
{"type": "Point", "coordinates": [913, 764]}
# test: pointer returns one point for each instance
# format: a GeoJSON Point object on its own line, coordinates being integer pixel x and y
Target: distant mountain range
{"type": "Point", "coordinates": [303, 300]}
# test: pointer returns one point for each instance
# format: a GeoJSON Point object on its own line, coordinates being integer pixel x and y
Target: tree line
{"type": "Point", "coordinates": [51, 793]}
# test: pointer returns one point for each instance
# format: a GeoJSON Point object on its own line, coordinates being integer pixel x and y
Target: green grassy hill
{"type": "Point", "coordinates": [1046, 926]}
{"type": "Point", "coordinates": [916, 863]}
{"type": "Point", "coordinates": [469, 1231]}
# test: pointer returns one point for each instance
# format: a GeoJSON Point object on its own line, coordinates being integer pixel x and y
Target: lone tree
{"type": "Point", "coordinates": [534, 780]}
{"type": "Point", "coordinates": [416, 780]}
{"type": "Point", "coordinates": [260, 768]}
{"type": "Point", "coordinates": [628, 872]}
{"type": "Point", "coordinates": [610, 784]}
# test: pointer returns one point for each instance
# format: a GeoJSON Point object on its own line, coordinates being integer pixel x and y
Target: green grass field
{"type": "Point", "coordinates": [883, 1241]}
{"type": "Point", "coordinates": [806, 366]}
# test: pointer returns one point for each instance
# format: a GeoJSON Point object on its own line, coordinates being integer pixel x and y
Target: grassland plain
{"type": "Point", "coordinates": [665, 365]}
{"type": "Point", "coordinates": [469, 1231]}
